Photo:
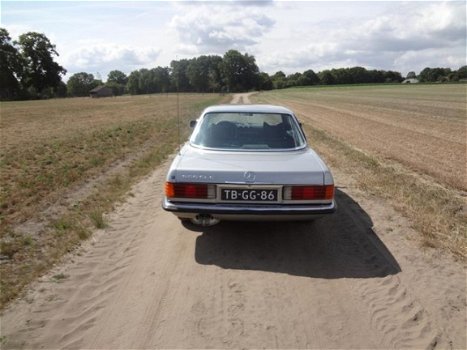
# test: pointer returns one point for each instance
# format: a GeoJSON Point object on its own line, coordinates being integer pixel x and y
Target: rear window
{"type": "Point", "coordinates": [244, 131]}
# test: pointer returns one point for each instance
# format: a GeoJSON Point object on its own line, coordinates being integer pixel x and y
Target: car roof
{"type": "Point", "coordinates": [259, 108]}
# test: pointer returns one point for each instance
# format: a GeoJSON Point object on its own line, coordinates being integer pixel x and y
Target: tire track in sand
{"type": "Point", "coordinates": [398, 316]}
{"type": "Point", "coordinates": [95, 276]}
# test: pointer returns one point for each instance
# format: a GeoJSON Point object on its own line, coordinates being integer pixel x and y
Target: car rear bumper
{"type": "Point", "coordinates": [249, 211]}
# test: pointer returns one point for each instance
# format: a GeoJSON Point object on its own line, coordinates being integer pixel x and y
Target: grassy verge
{"type": "Point", "coordinates": [435, 211]}
{"type": "Point", "coordinates": [38, 173]}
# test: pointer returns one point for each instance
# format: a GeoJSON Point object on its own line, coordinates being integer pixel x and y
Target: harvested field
{"type": "Point", "coordinates": [30, 122]}
{"type": "Point", "coordinates": [420, 126]}
{"type": "Point", "coordinates": [65, 162]}
{"type": "Point", "coordinates": [402, 143]}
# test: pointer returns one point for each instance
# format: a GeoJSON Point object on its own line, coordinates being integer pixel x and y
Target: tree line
{"type": "Point", "coordinates": [440, 75]}
{"type": "Point", "coordinates": [28, 70]}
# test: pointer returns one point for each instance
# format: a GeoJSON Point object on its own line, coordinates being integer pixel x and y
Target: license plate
{"type": "Point", "coordinates": [250, 194]}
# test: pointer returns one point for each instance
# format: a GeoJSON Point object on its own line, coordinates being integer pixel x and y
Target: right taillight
{"type": "Point", "coordinates": [312, 192]}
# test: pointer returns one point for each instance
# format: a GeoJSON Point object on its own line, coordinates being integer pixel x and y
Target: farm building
{"type": "Point", "coordinates": [101, 91]}
{"type": "Point", "coordinates": [410, 81]}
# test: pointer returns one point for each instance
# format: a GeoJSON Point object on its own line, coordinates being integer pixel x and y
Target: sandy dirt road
{"type": "Point", "coordinates": [356, 279]}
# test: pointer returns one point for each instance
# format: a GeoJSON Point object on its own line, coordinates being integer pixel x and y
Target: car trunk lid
{"type": "Point", "coordinates": [287, 167]}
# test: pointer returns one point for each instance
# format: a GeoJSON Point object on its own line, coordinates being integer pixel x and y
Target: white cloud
{"type": "Point", "coordinates": [424, 33]}
{"type": "Point", "coordinates": [15, 30]}
{"type": "Point", "coordinates": [216, 28]}
{"type": "Point", "coordinates": [417, 60]}
{"type": "Point", "coordinates": [92, 58]}
{"type": "Point", "coordinates": [307, 56]}
{"type": "Point", "coordinates": [436, 25]}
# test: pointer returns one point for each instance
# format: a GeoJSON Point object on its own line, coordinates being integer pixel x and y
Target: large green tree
{"type": "Point", "coordinates": [80, 84]}
{"type": "Point", "coordinates": [264, 82]}
{"type": "Point", "coordinates": [215, 76]}
{"type": "Point", "coordinates": [392, 76]}
{"type": "Point", "coordinates": [11, 67]}
{"type": "Point", "coordinates": [240, 71]}
{"type": "Point", "coordinates": [161, 79]}
{"type": "Point", "coordinates": [40, 70]}
{"type": "Point", "coordinates": [326, 77]}
{"type": "Point", "coordinates": [198, 73]}
{"type": "Point", "coordinates": [149, 81]}
{"type": "Point", "coordinates": [205, 73]}
{"type": "Point", "coordinates": [294, 79]}
{"type": "Point", "coordinates": [462, 72]}
{"type": "Point", "coordinates": [133, 83]}
{"type": "Point", "coordinates": [411, 75]}
{"type": "Point", "coordinates": [145, 82]}
{"type": "Point", "coordinates": [118, 77]}
{"type": "Point", "coordinates": [117, 80]}
{"type": "Point", "coordinates": [179, 75]}
{"type": "Point", "coordinates": [310, 78]}
{"type": "Point", "coordinates": [434, 74]}
{"type": "Point", "coordinates": [279, 80]}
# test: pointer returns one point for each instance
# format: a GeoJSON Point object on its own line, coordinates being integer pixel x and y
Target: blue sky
{"type": "Point", "coordinates": [99, 36]}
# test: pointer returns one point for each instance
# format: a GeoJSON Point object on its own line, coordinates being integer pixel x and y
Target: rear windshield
{"type": "Point", "coordinates": [255, 131]}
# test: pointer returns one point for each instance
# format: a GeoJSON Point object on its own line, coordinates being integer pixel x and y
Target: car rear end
{"type": "Point", "coordinates": [248, 163]}
{"type": "Point", "coordinates": [205, 184]}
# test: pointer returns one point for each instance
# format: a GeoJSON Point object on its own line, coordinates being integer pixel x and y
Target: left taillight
{"type": "Point", "coordinates": [190, 190]}
{"type": "Point", "coordinates": [325, 192]}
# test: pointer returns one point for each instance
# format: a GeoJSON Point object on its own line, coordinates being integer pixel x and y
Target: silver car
{"type": "Point", "coordinates": [248, 162]}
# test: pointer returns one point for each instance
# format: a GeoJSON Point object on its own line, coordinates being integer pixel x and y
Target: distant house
{"type": "Point", "coordinates": [410, 81]}
{"type": "Point", "coordinates": [101, 91]}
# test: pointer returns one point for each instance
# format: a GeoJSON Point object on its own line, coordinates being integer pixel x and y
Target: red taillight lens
{"type": "Point", "coordinates": [329, 192]}
{"type": "Point", "coordinates": [187, 190]}
{"type": "Point", "coordinates": [312, 192]}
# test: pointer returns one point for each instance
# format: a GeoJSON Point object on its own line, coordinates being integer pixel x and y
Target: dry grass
{"type": "Point", "coordinates": [64, 163]}
{"type": "Point", "coordinates": [379, 136]}
{"type": "Point", "coordinates": [435, 211]}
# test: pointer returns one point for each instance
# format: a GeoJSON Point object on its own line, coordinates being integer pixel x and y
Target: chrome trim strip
{"type": "Point", "coordinates": [225, 208]}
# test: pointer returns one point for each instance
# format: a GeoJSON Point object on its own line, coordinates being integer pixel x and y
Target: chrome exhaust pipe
{"type": "Point", "coordinates": [205, 220]}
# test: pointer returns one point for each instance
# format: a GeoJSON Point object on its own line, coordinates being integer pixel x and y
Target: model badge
{"type": "Point", "coordinates": [196, 177]}
{"type": "Point", "coordinates": [249, 176]}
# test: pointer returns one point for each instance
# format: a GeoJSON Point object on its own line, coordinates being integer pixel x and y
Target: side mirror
{"type": "Point", "coordinates": [192, 123]}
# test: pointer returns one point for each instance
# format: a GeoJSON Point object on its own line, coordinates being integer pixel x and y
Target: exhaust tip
{"type": "Point", "coordinates": [205, 220]}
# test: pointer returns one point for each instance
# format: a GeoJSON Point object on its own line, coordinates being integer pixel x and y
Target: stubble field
{"type": "Point", "coordinates": [406, 144]}
{"type": "Point", "coordinates": [423, 127]}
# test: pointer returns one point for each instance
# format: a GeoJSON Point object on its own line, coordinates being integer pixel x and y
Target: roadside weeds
{"type": "Point", "coordinates": [29, 257]}
{"type": "Point", "coordinates": [28, 252]}
{"type": "Point", "coordinates": [437, 212]}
